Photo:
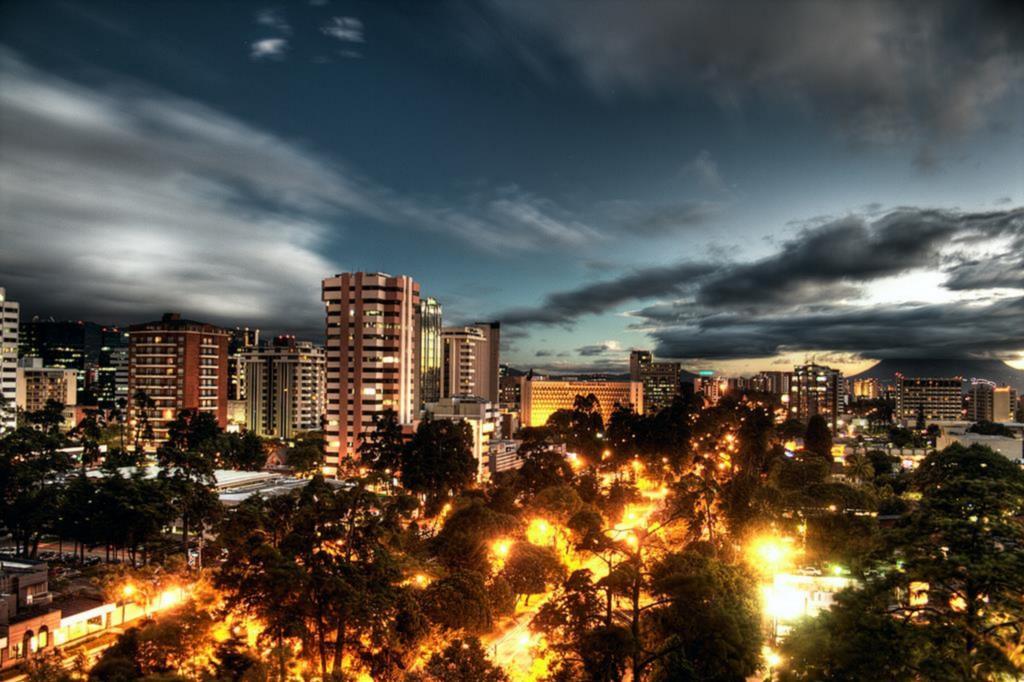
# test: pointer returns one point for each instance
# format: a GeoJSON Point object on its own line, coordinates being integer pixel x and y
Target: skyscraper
{"type": "Point", "coordinates": [372, 356]}
{"type": "Point", "coordinates": [814, 389]}
{"type": "Point", "coordinates": [9, 313]}
{"type": "Point", "coordinates": [180, 364]}
{"type": "Point", "coordinates": [990, 402]}
{"type": "Point", "coordinates": [660, 379]}
{"type": "Point", "coordinates": [243, 339]}
{"type": "Point", "coordinates": [110, 378]}
{"type": "Point", "coordinates": [431, 350]}
{"type": "Point", "coordinates": [284, 387]}
{"type": "Point", "coordinates": [470, 366]}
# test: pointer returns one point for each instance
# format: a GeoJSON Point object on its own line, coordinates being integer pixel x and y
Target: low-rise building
{"type": "Point", "coordinates": [1010, 448]}
{"type": "Point", "coordinates": [541, 397]}
{"type": "Point", "coordinates": [37, 385]}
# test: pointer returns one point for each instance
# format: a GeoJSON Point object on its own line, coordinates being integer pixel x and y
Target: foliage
{"type": "Point", "coordinates": [464, 660]}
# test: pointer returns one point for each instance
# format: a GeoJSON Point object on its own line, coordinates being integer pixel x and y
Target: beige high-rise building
{"type": "Point", "coordinates": [9, 317]}
{"type": "Point", "coordinates": [284, 387]}
{"type": "Point", "coordinates": [541, 397]}
{"type": "Point", "coordinates": [470, 366]}
{"type": "Point", "coordinates": [38, 384]}
{"type": "Point", "coordinates": [815, 390]}
{"type": "Point", "coordinates": [372, 356]}
{"type": "Point", "coordinates": [989, 402]}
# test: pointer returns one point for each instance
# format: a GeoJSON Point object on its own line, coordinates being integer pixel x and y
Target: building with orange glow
{"type": "Point", "coordinates": [181, 365]}
{"type": "Point", "coordinates": [372, 356]}
{"type": "Point", "coordinates": [540, 397]}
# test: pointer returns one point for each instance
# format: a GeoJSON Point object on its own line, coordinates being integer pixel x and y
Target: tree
{"type": "Point", "coordinates": [818, 438]}
{"type": "Point", "coordinates": [438, 462]}
{"type": "Point", "coordinates": [307, 455]}
{"type": "Point", "coordinates": [244, 451]}
{"type": "Point", "coordinates": [187, 464]}
{"type": "Point", "coordinates": [991, 429]}
{"type": "Point", "coordinates": [580, 428]}
{"type": "Point", "coordinates": [31, 470]}
{"type": "Point", "coordinates": [464, 660]}
{"type": "Point", "coordinates": [459, 601]}
{"type": "Point", "coordinates": [530, 569]}
{"type": "Point", "coordinates": [143, 427]}
{"type": "Point", "coordinates": [543, 463]}
{"type": "Point", "coordinates": [381, 449]}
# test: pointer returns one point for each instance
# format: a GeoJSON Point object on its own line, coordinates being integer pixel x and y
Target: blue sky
{"type": "Point", "coordinates": [219, 158]}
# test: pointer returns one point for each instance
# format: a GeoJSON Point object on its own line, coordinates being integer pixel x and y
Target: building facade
{"type": "Point", "coordinates": [109, 379]}
{"type": "Point", "coordinates": [285, 385]}
{"type": "Point", "coordinates": [987, 401]}
{"type": "Point", "coordinates": [815, 389]}
{"type": "Point", "coordinates": [541, 397]}
{"type": "Point", "coordinates": [372, 356]}
{"type": "Point", "coordinates": [9, 333]}
{"type": "Point", "coordinates": [933, 399]}
{"type": "Point", "coordinates": [181, 365]}
{"type": "Point", "coordinates": [470, 365]}
{"type": "Point", "coordinates": [774, 382]}
{"type": "Point", "coordinates": [37, 385]}
{"type": "Point", "coordinates": [660, 379]}
{"type": "Point", "coordinates": [243, 339]}
{"type": "Point", "coordinates": [431, 350]}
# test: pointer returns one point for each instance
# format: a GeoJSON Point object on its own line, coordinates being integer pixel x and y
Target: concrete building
{"type": "Point", "coordinates": [38, 384]}
{"type": "Point", "coordinates": [484, 419]}
{"type": "Point", "coordinates": [541, 397]}
{"type": "Point", "coordinates": [180, 364]}
{"type": "Point", "coordinates": [372, 356]}
{"type": "Point", "coordinates": [815, 389]}
{"type": "Point", "coordinates": [989, 402]}
{"type": "Point", "coordinates": [470, 365]}
{"type": "Point", "coordinates": [9, 315]}
{"type": "Point", "coordinates": [109, 379]}
{"type": "Point", "coordinates": [934, 399]}
{"type": "Point", "coordinates": [285, 385]}
{"type": "Point", "coordinates": [431, 350]}
{"type": "Point", "coordinates": [503, 455]}
{"type": "Point", "coordinates": [710, 387]}
{"type": "Point", "coordinates": [866, 389]}
{"type": "Point", "coordinates": [775, 382]}
{"type": "Point", "coordinates": [660, 379]}
{"type": "Point", "coordinates": [243, 339]}
{"type": "Point", "coordinates": [68, 344]}
{"type": "Point", "coordinates": [1010, 448]}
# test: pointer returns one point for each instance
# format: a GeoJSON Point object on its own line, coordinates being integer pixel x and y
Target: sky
{"type": "Point", "coordinates": [740, 186]}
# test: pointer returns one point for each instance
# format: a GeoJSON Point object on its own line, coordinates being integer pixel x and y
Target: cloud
{"type": "Point", "coordinates": [881, 70]}
{"type": "Point", "coordinates": [659, 219]}
{"type": "Point", "coordinates": [268, 49]}
{"type": "Point", "coordinates": [600, 349]}
{"type": "Point", "coordinates": [565, 307]}
{"type": "Point", "coordinates": [345, 29]}
{"type": "Point", "coordinates": [1003, 271]}
{"type": "Point", "coordinates": [273, 18]}
{"type": "Point", "coordinates": [704, 169]}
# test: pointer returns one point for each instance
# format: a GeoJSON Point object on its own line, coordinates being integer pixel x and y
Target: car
{"type": "Point", "coordinates": [809, 570]}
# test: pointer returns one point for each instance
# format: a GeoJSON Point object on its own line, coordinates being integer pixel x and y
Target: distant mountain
{"type": "Point", "coordinates": [968, 368]}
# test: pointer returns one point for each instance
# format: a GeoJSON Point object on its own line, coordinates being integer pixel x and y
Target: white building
{"type": "Point", "coordinates": [284, 387]}
{"type": "Point", "coordinates": [470, 365]}
{"type": "Point", "coordinates": [9, 318]}
{"type": "Point", "coordinates": [1010, 448]}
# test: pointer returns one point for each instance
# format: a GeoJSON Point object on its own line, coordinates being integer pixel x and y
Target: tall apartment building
{"type": "Point", "coordinates": [38, 384]}
{"type": "Point", "coordinates": [9, 313]}
{"type": "Point", "coordinates": [866, 389]}
{"type": "Point", "coordinates": [541, 397]}
{"type": "Point", "coordinates": [243, 339]}
{"type": "Point", "coordinates": [372, 356]}
{"type": "Point", "coordinates": [660, 379]}
{"type": "Point", "coordinates": [774, 382]}
{"type": "Point", "coordinates": [431, 350]}
{"type": "Point", "coordinates": [815, 389]}
{"type": "Point", "coordinates": [284, 387]}
{"type": "Point", "coordinates": [181, 365]}
{"type": "Point", "coordinates": [470, 366]}
{"type": "Point", "coordinates": [935, 399]}
{"type": "Point", "coordinates": [989, 402]}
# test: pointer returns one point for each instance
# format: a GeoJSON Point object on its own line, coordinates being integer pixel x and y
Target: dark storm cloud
{"type": "Point", "coordinates": [892, 331]}
{"type": "Point", "coordinates": [598, 349]}
{"type": "Point", "coordinates": [1002, 271]}
{"type": "Point", "coordinates": [881, 70]}
{"type": "Point", "coordinates": [564, 307]}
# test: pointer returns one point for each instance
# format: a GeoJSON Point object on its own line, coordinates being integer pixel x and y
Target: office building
{"type": "Point", "coordinates": [866, 389]}
{"type": "Point", "coordinates": [284, 387]}
{"type": "Point", "coordinates": [470, 365]}
{"type": "Point", "coordinates": [540, 397]}
{"type": "Point", "coordinates": [181, 365]}
{"type": "Point", "coordinates": [503, 455]}
{"type": "Point", "coordinates": [484, 420]}
{"type": "Point", "coordinates": [431, 350]}
{"type": "Point", "coordinates": [68, 344]}
{"type": "Point", "coordinates": [37, 385]}
{"type": "Point", "coordinates": [9, 315]}
{"type": "Point", "coordinates": [776, 383]}
{"type": "Point", "coordinates": [709, 387]}
{"type": "Point", "coordinates": [660, 379]}
{"type": "Point", "coordinates": [509, 386]}
{"type": "Point", "coordinates": [243, 339]}
{"type": "Point", "coordinates": [372, 356]}
{"type": "Point", "coordinates": [109, 379]}
{"type": "Point", "coordinates": [931, 399]}
{"type": "Point", "coordinates": [815, 389]}
{"type": "Point", "coordinates": [989, 402]}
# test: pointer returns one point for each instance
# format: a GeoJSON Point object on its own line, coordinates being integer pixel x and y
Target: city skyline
{"type": "Point", "coordinates": [607, 203]}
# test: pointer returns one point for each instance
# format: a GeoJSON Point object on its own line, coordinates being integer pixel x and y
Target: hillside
{"type": "Point", "coordinates": [968, 368]}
